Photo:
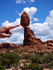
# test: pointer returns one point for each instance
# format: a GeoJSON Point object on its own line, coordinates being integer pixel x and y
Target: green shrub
{"type": "Point", "coordinates": [34, 66]}
{"type": "Point", "coordinates": [1, 67]}
{"type": "Point", "coordinates": [35, 59]}
{"type": "Point", "coordinates": [41, 53]}
{"type": "Point", "coordinates": [46, 59]}
{"type": "Point", "coordinates": [23, 67]}
{"type": "Point", "coordinates": [49, 65]}
{"type": "Point", "coordinates": [9, 59]}
{"type": "Point", "coordinates": [32, 47]}
{"type": "Point", "coordinates": [27, 56]}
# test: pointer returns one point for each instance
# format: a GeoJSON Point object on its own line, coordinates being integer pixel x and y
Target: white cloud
{"type": "Point", "coordinates": [20, 1]}
{"type": "Point", "coordinates": [44, 30]}
{"type": "Point", "coordinates": [35, 19]}
{"type": "Point", "coordinates": [24, 1]}
{"type": "Point", "coordinates": [49, 19]}
{"type": "Point", "coordinates": [32, 0]}
{"type": "Point", "coordinates": [7, 23]}
{"type": "Point", "coordinates": [30, 11]}
{"type": "Point", "coordinates": [16, 38]}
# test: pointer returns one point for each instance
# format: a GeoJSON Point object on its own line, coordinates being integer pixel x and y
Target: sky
{"type": "Point", "coordinates": [39, 11]}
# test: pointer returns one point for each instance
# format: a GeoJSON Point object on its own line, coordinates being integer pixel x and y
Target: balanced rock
{"type": "Point", "coordinates": [25, 20]}
{"type": "Point", "coordinates": [29, 37]}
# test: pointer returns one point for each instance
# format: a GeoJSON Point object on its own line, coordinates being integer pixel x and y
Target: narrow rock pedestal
{"type": "Point", "coordinates": [29, 37]}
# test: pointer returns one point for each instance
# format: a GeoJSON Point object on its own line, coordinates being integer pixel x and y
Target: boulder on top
{"type": "Point", "coordinates": [25, 20]}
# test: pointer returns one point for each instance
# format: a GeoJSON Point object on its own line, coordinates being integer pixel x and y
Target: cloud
{"type": "Point", "coordinates": [24, 1]}
{"type": "Point", "coordinates": [20, 1]}
{"type": "Point", "coordinates": [44, 30]}
{"type": "Point", "coordinates": [30, 11]}
{"type": "Point", "coordinates": [7, 23]}
{"type": "Point", "coordinates": [49, 19]}
{"type": "Point", "coordinates": [35, 19]}
{"type": "Point", "coordinates": [32, 0]}
{"type": "Point", "coordinates": [16, 38]}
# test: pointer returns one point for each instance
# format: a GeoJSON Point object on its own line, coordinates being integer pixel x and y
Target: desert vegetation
{"type": "Point", "coordinates": [38, 61]}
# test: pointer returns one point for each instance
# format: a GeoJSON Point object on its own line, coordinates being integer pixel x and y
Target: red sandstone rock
{"type": "Point", "coordinates": [25, 20]}
{"type": "Point", "coordinates": [29, 37]}
{"type": "Point", "coordinates": [29, 48]}
{"type": "Point", "coordinates": [8, 45]}
{"type": "Point", "coordinates": [50, 42]}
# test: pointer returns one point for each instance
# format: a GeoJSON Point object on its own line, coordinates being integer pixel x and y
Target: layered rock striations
{"type": "Point", "coordinates": [8, 45]}
{"type": "Point", "coordinates": [49, 42]}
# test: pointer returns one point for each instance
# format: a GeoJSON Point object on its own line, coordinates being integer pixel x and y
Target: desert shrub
{"type": "Point", "coordinates": [41, 58]}
{"type": "Point", "coordinates": [1, 67]}
{"type": "Point", "coordinates": [41, 53]}
{"type": "Point", "coordinates": [32, 47]}
{"type": "Point", "coordinates": [34, 66]}
{"type": "Point", "coordinates": [27, 56]}
{"type": "Point", "coordinates": [49, 65]}
{"type": "Point", "coordinates": [31, 66]}
{"type": "Point", "coordinates": [35, 52]}
{"type": "Point", "coordinates": [23, 50]}
{"type": "Point", "coordinates": [20, 57]}
{"type": "Point", "coordinates": [46, 59]}
{"type": "Point", "coordinates": [9, 59]}
{"type": "Point", "coordinates": [23, 67]}
{"type": "Point", "coordinates": [35, 59]}
{"type": "Point", "coordinates": [0, 58]}
{"type": "Point", "coordinates": [36, 43]}
{"type": "Point", "coordinates": [42, 43]}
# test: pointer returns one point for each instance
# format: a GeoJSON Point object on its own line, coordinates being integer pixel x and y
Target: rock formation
{"type": "Point", "coordinates": [50, 42]}
{"type": "Point", "coordinates": [29, 37]}
{"type": "Point", "coordinates": [8, 45]}
{"type": "Point", "coordinates": [25, 20]}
